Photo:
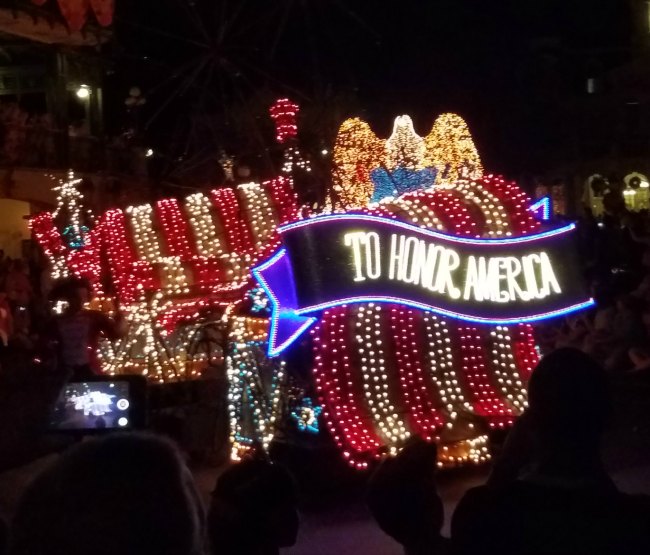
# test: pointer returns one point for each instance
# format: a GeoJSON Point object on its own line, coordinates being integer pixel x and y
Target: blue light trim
{"type": "Point", "coordinates": [421, 231]}
{"type": "Point", "coordinates": [444, 312]}
{"type": "Point", "coordinates": [543, 204]}
{"type": "Point", "coordinates": [273, 348]}
{"type": "Point", "coordinates": [275, 258]}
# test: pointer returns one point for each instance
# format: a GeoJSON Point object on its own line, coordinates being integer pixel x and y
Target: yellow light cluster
{"type": "Point", "coordinates": [405, 148]}
{"type": "Point", "coordinates": [496, 217]}
{"type": "Point", "coordinates": [441, 366]}
{"type": "Point", "coordinates": [474, 451]}
{"type": "Point", "coordinates": [259, 212]}
{"type": "Point", "coordinates": [357, 151]}
{"type": "Point", "coordinates": [144, 235]}
{"type": "Point", "coordinates": [368, 335]}
{"type": "Point", "coordinates": [505, 368]}
{"type": "Point", "coordinates": [418, 212]}
{"type": "Point", "coordinates": [204, 225]}
{"type": "Point", "coordinates": [175, 280]}
{"type": "Point", "coordinates": [142, 350]}
{"type": "Point", "coordinates": [451, 150]}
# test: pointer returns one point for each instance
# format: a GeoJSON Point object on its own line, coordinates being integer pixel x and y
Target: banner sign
{"type": "Point", "coordinates": [339, 259]}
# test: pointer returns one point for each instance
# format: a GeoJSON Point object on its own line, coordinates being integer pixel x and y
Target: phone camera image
{"type": "Point", "coordinates": [92, 406]}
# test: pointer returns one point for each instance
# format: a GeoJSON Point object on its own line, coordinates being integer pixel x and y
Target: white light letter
{"type": "Point", "coordinates": [491, 290]}
{"type": "Point", "coordinates": [471, 280]}
{"type": "Point", "coordinates": [503, 296]}
{"type": "Point", "coordinates": [428, 268]}
{"type": "Point", "coordinates": [448, 263]}
{"type": "Point", "coordinates": [410, 259]}
{"type": "Point", "coordinates": [529, 275]}
{"type": "Point", "coordinates": [354, 240]}
{"type": "Point", "coordinates": [513, 271]}
{"type": "Point", "coordinates": [395, 256]}
{"type": "Point", "coordinates": [548, 275]}
{"type": "Point", "coordinates": [373, 254]}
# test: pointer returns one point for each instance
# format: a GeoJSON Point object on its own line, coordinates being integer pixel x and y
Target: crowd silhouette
{"type": "Point", "coordinates": [548, 491]}
{"type": "Point", "coordinates": [615, 254]}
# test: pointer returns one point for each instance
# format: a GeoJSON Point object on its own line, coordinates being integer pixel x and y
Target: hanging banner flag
{"type": "Point", "coordinates": [75, 12]}
{"type": "Point", "coordinates": [340, 259]}
{"type": "Point", "coordinates": [103, 11]}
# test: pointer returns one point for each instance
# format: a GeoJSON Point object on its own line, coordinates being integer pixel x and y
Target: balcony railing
{"type": "Point", "coordinates": [32, 141]}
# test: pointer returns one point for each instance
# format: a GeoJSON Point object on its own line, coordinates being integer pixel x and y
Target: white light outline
{"type": "Point", "coordinates": [444, 312]}
{"type": "Point", "coordinates": [427, 232]}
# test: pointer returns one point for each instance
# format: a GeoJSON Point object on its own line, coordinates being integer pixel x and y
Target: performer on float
{"type": "Point", "coordinates": [76, 332]}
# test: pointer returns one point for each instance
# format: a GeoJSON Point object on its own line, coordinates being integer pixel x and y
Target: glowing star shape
{"type": "Point", "coordinates": [541, 209]}
{"type": "Point", "coordinates": [306, 416]}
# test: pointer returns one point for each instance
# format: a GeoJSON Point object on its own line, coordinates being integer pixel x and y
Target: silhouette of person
{"type": "Point", "coordinates": [76, 332]}
{"type": "Point", "coordinates": [550, 493]}
{"type": "Point", "coordinates": [3, 537]}
{"type": "Point", "coordinates": [128, 493]}
{"type": "Point", "coordinates": [253, 510]}
{"type": "Point", "coordinates": [403, 498]}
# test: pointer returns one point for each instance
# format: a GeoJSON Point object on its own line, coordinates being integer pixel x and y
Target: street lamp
{"type": "Point", "coordinates": [83, 92]}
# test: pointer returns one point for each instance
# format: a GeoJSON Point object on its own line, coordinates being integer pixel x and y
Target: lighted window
{"type": "Point", "coordinates": [591, 85]}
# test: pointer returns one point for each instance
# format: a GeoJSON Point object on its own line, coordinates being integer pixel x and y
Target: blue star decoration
{"type": "Point", "coordinates": [260, 303]}
{"type": "Point", "coordinates": [75, 236]}
{"type": "Point", "coordinates": [400, 181]}
{"type": "Point", "coordinates": [306, 416]}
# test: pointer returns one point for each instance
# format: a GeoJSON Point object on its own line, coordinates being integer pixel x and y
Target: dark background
{"type": "Point", "coordinates": [512, 68]}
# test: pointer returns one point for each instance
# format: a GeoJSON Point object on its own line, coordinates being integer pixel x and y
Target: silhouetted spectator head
{"type": "Point", "coordinates": [602, 294]}
{"type": "Point", "coordinates": [18, 265]}
{"type": "Point", "coordinates": [645, 260]}
{"type": "Point", "coordinates": [127, 494]}
{"type": "Point", "coordinates": [628, 303]}
{"type": "Point", "coordinates": [569, 402]}
{"type": "Point", "coordinates": [253, 509]}
{"type": "Point", "coordinates": [3, 537]}
{"type": "Point", "coordinates": [640, 357]}
{"type": "Point", "coordinates": [75, 291]}
{"type": "Point", "coordinates": [403, 498]}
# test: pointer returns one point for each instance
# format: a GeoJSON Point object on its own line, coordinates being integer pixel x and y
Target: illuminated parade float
{"type": "Point", "coordinates": [415, 290]}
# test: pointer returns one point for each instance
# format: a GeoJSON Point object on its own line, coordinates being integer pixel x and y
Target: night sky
{"type": "Point", "coordinates": [507, 66]}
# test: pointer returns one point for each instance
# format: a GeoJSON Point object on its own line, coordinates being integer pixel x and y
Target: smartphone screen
{"type": "Point", "coordinates": [93, 405]}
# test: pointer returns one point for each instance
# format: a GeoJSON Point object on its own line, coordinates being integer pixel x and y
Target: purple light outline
{"type": "Point", "coordinates": [430, 233]}
{"type": "Point", "coordinates": [274, 349]}
{"type": "Point", "coordinates": [545, 204]}
{"type": "Point", "coordinates": [445, 312]}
